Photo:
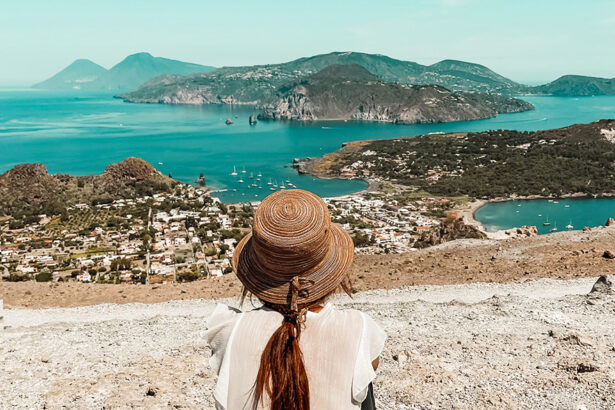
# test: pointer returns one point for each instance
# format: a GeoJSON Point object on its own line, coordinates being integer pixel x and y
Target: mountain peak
{"type": "Point", "coordinates": [346, 72]}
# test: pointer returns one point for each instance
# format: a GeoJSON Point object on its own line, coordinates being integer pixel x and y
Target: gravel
{"type": "Point", "coordinates": [536, 344]}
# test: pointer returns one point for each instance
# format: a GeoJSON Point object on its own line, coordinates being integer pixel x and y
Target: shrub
{"type": "Point", "coordinates": [188, 276]}
{"type": "Point", "coordinates": [43, 277]}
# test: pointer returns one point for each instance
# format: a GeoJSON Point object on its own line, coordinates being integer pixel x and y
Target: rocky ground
{"type": "Point", "coordinates": [536, 344]}
{"type": "Point", "coordinates": [563, 255]}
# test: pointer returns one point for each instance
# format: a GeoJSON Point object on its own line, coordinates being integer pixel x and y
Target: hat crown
{"type": "Point", "coordinates": [291, 232]}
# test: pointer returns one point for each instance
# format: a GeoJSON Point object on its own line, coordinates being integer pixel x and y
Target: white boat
{"type": "Point", "coordinates": [234, 173]}
{"type": "Point", "coordinates": [251, 175]}
{"type": "Point", "coordinates": [240, 180]}
{"type": "Point", "coordinates": [269, 183]}
{"type": "Point", "coordinates": [570, 226]}
{"type": "Point", "coordinates": [275, 184]}
{"type": "Point", "coordinates": [243, 171]}
{"type": "Point", "coordinates": [282, 186]}
{"type": "Point", "coordinates": [160, 163]}
{"type": "Point", "coordinates": [566, 206]}
{"type": "Point", "coordinates": [254, 184]}
{"type": "Point", "coordinates": [272, 189]}
{"type": "Point", "coordinates": [259, 174]}
{"type": "Point", "coordinates": [556, 202]}
{"type": "Point", "coordinates": [547, 223]}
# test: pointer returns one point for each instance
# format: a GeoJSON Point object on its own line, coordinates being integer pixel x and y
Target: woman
{"type": "Point", "coordinates": [297, 351]}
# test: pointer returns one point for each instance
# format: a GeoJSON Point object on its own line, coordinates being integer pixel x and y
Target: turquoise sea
{"type": "Point", "coordinates": [80, 134]}
{"type": "Point", "coordinates": [547, 215]}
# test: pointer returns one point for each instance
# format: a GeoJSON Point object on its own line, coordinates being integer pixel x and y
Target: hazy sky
{"type": "Point", "coordinates": [525, 40]}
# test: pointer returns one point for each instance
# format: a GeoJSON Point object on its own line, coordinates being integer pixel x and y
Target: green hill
{"type": "Point", "coordinates": [577, 85]}
{"type": "Point", "coordinates": [350, 92]}
{"type": "Point", "coordinates": [260, 84]}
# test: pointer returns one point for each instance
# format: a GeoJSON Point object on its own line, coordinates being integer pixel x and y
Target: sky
{"type": "Point", "coordinates": [528, 41]}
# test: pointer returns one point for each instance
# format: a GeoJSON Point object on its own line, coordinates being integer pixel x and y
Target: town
{"type": "Point", "coordinates": [184, 235]}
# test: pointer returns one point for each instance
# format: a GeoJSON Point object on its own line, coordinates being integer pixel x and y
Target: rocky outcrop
{"type": "Point", "coordinates": [610, 222]}
{"type": "Point", "coordinates": [350, 92]}
{"type": "Point", "coordinates": [604, 285]}
{"type": "Point", "coordinates": [524, 231]}
{"type": "Point", "coordinates": [449, 229]}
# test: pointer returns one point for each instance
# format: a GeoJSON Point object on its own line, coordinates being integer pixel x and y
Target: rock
{"type": "Point", "coordinates": [604, 284]}
{"type": "Point", "coordinates": [586, 229]}
{"type": "Point", "coordinates": [608, 255]}
{"type": "Point", "coordinates": [610, 222]}
{"type": "Point", "coordinates": [151, 391]}
{"type": "Point", "coordinates": [401, 357]}
{"type": "Point", "coordinates": [577, 339]}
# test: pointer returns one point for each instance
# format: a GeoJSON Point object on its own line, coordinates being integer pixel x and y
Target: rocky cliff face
{"type": "Point", "coordinates": [349, 92]}
{"type": "Point", "coordinates": [449, 229]}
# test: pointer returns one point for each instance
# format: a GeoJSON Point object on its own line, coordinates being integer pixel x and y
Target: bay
{"type": "Point", "coordinates": [547, 215]}
{"type": "Point", "coordinates": [81, 133]}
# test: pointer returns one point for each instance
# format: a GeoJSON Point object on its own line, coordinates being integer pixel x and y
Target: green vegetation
{"type": "Point", "coordinates": [577, 159]}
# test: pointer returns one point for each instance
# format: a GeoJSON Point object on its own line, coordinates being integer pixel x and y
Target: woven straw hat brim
{"type": "Point", "coordinates": [319, 282]}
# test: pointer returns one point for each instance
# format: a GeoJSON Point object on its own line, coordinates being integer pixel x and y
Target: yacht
{"type": "Point", "coordinates": [547, 223]}
{"type": "Point", "coordinates": [234, 173]}
{"type": "Point", "coordinates": [259, 174]}
{"type": "Point", "coordinates": [243, 171]}
{"type": "Point", "coordinates": [251, 175]}
{"type": "Point", "coordinates": [240, 180]}
{"type": "Point", "coordinates": [272, 189]}
{"type": "Point", "coordinates": [275, 184]}
{"type": "Point", "coordinates": [269, 183]}
{"type": "Point", "coordinates": [570, 226]}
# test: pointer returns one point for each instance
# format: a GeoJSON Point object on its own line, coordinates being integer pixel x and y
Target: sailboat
{"type": "Point", "coordinates": [234, 173]}
{"type": "Point", "coordinates": [282, 186]}
{"type": "Point", "coordinates": [554, 228]}
{"type": "Point", "coordinates": [243, 171]}
{"type": "Point", "coordinates": [546, 223]}
{"type": "Point", "coordinates": [240, 180]}
{"type": "Point", "coordinates": [275, 184]}
{"type": "Point", "coordinates": [269, 183]}
{"type": "Point", "coordinates": [259, 174]}
{"type": "Point", "coordinates": [251, 175]}
{"type": "Point", "coordinates": [570, 226]}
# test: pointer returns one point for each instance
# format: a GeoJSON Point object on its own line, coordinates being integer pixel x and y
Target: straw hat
{"type": "Point", "coordinates": [294, 255]}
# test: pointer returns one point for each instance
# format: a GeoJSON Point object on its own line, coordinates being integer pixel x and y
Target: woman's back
{"type": "Point", "coordinates": [338, 348]}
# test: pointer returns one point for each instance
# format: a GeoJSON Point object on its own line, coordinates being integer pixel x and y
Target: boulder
{"type": "Point", "coordinates": [610, 222]}
{"type": "Point", "coordinates": [605, 284]}
{"type": "Point", "coordinates": [608, 255]}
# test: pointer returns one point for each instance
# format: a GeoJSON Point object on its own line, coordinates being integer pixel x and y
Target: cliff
{"type": "Point", "coordinates": [350, 92]}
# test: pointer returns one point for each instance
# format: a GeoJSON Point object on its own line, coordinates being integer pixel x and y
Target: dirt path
{"type": "Point", "coordinates": [563, 255]}
{"type": "Point", "coordinates": [537, 344]}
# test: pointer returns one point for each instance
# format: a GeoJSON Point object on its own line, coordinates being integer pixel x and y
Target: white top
{"type": "Point", "coordinates": [338, 348]}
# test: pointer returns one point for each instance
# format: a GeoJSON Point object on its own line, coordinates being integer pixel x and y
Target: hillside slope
{"type": "Point", "coordinates": [260, 84]}
{"type": "Point", "coordinates": [350, 92]}
{"type": "Point", "coordinates": [577, 85]}
{"type": "Point", "coordinates": [28, 188]}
